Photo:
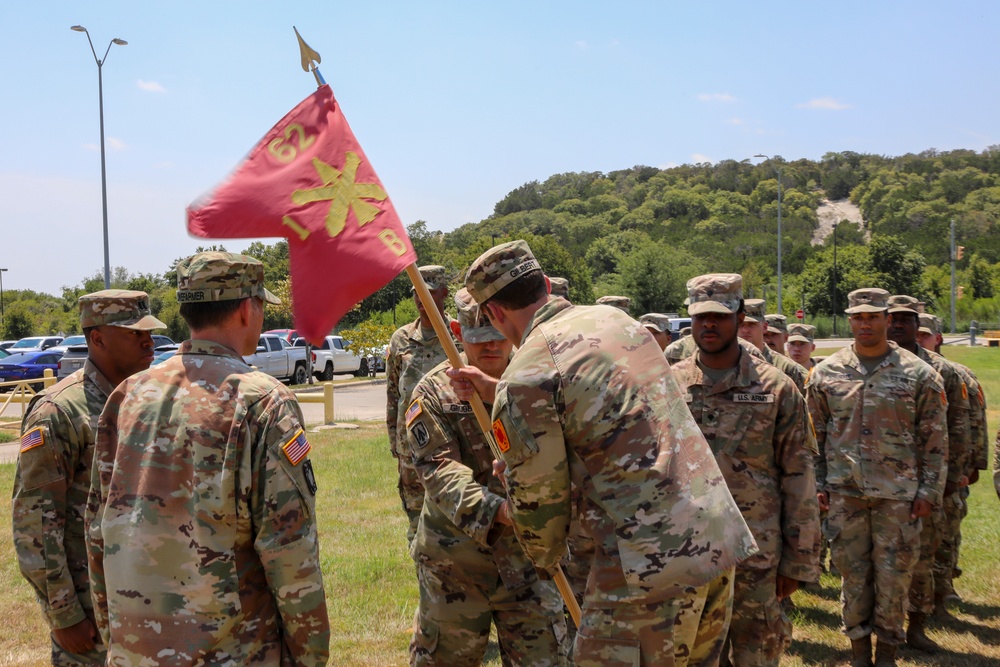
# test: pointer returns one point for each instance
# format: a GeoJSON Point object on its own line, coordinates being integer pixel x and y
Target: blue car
{"type": "Point", "coordinates": [28, 366]}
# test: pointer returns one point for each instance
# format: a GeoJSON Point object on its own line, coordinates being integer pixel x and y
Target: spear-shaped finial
{"type": "Point", "coordinates": [310, 59]}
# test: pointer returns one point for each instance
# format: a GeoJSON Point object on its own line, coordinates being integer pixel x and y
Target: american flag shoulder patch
{"type": "Point", "coordinates": [416, 407]}
{"type": "Point", "coordinates": [296, 448]}
{"type": "Point", "coordinates": [33, 438]}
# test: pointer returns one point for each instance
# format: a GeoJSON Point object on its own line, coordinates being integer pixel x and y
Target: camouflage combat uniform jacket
{"type": "Point", "coordinates": [756, 423]}
{"type": "Point", "coordinates": [788, 366]}
{"type": "Point", "coordinates": [589, 405]}
{"type": "Point", "coordinates": [958, 414]}
{"type": "Point", "coordinates": [51, 484]}
{"type": "Point", "coordinates": [201, 520]}
{"type": "Point", "coordinates": [977, 453]}
{"type": "Point", "coordinates": [456, 535]}
{"type": "Point", "coordinates": [879, 434]}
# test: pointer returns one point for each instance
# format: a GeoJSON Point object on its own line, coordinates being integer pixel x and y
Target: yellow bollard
{"type": "Point", "coordinates": [327, 403]}
{"type": "Point", "coordinates": [48, 378]}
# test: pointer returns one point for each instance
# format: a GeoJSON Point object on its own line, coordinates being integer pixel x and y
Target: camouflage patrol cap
{"type": "Point", "coordinates": [754, 309]}
{"type": "Point", "coordinates": [434, 276]}
{"type": "Point", "coordinates": [498, 267]}
{"type": "Point", "coordinates": [715, 293]}
{"type": "Point", "coordinates": [118, 308]}
{"type": "Point", "coordinates": [656, 321]}
{"type": "Point", "coordinates": [560, 287]}
{"type": "Point", "coordinates": [867, 300]}
{"type": "Point", "coordinates": [929, 324]}
{"type": "Point", "coordinates": [476, 327]}
{"type": "Point", "coordinates": [221, 276]}
{"type": "Point", "coordinates": [620, 302]}
{"type": "Point", "coordinates": [802, 333]}
{"type": "Point", "coordinates": [900, 303]}
{"type": "Point", "coordinates": [777, 322]}
{"type": "Point", "coordinates": [686, 331]}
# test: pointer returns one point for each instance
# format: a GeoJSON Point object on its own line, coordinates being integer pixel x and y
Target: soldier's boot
{"type": "Point", "coordinates": [885, 655]}
{"type": "Point", "coordinates": [861, 650]}
{"type": "Point", "coordinates": [916, 634]}
{"type": "Point", "coordinates": [941, 612]}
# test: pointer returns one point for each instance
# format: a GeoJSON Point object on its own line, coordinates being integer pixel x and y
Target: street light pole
{"type": "Point", "coordinates": [1, 297]}
{"type": "Point", "coordinates": [777, 171]}
{"type": "Point", "coordinates": [833, 289]}
{"type": "Point", "coordinates": [104, 178]}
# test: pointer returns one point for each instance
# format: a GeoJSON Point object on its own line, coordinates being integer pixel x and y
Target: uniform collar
{"type": "Point", "coordinates": [852, 359]}
{"type": "Point", "coordinates": [746, 374]}
{"type": "Point", "coordinates": [544, 314]}
{"type": "Point", "coordinates": [94, 374]}
{"type": "Point", "coordinates": [208, 347]}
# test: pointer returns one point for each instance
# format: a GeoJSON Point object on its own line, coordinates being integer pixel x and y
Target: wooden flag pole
{"type": "Point", "coordinates": [483, 417]}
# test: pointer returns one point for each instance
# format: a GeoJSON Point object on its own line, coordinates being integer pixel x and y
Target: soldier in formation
{"type": "Point", "coordinates": [559, 287]}
{"type": "Point", "coordinates": [776, 333]}
{"type": "Point", "coordinates": [201, 519]}
{"type": "Point", "coordinates": [414, 349]}
{"type": "Point", "coordinates": [879, 417]}
{"type": "Point", "coordinates": [801, 343]}
{"type": "Point", "coordinates": [659, 326]}
{"type": "Point", "coordinates": [752, 330]}
{"type": "Point", "coordinates": [471, 570]}
{"type": "Point", "coordinates": [569, 422]}
{"type": "Point", "coordinates": [754, 418]}
{"type": "Point", "coordinates": [52, 478]}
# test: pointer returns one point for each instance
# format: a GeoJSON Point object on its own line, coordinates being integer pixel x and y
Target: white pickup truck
{"type": "Point", "coordinates": [276, 357]}
{"type": "Point", "coordinates": [332, 357]}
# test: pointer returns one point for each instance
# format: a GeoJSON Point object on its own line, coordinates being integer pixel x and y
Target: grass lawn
{"type": "Point", "coordinates": [372, 590]}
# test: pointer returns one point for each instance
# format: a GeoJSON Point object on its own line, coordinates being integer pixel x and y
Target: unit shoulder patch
{"type": "Point", "coordinates": [503, 443]}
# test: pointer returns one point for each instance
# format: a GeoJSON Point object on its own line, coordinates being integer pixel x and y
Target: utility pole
{"type": "Point", "coordinates": [833, 287]}
{"type": "Point", "coordinates": [953, 292]}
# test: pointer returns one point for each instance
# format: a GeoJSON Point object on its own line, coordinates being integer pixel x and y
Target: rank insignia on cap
{"type": "Point", "coordinates": [412, 412]}
{"type": "Point", "coordinates": [33, 438]}
{"type": "Point", "coordinates": [296, 448]}
{"type": "Point", "coordinates": [503, 443]}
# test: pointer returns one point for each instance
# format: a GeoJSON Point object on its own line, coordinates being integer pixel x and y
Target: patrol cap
{"type": "Point", "coordinates": [498, 267]}
{"type": "Point", "coordinates": [221, 276]}
{"type": "Point", "coordinates": [655, 321]}
{"type": "Point", "coordinates": [867, 300]}
{"type": "Point", "coordinates": [777, 322]}
{"type": "Point", "coordinates": [619, 302]}
{"type": "Point", "coordinates": [476, 328]}
{"type": "Point", "coordinates": [560, 286]}
{"type": "Point", "coordinates": [715, 293]}
{"type": "Point", "coordinates": [754, 309]}
{"type": "Point", "coordinates": [802, 333]}
{"type": "Point", "coordinates": [434, 276]}
{"type": "Point", "coordinates": [900, 303]}
{"type": "Point", "coordinates": [929, 324]}
{"type": "Point", "coordinates": [118, 308]}
{"type": "Point", "coordinates": [686, 331]}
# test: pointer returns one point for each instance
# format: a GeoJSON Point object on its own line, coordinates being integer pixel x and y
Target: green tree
{"type": "Point", "coordinates": [900, 269]}
{"type": "Point", "coordinates": [655, 275]}
{"type": "Point", "coordinates": [17, 322]}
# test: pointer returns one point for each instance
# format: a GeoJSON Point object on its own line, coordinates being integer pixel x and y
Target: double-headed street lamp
{"type": "Point", "coordinates": [104, 178]}
{"type": "Point", "coordinates": [778, 171]}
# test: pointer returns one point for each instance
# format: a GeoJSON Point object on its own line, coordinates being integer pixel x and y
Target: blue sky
{"type": "Point", "coordinates": [455, 103]}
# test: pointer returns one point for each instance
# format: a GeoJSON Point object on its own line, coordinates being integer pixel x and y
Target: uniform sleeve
{"type": "Point", "coordinates": [959, 425]}
{"type": "Point", "coordinates": [795, 452]}
{"type": "Point", "coordinates": [931, 438]}
{"type": "Point", "coordinates": [285, 536]}
{"type": "Point", "coordinates": [448, 483]}
{"type": "Point", "coordinates": [39, 512]}
{"type": "Point", "coordinates": [980, 445]}
{"type": "Point", "coordinates": [819, 418]}
{"type": "Point", "coordinates": [392, 394]}
{"type": "Point", "coordinates": [100, 483]}
{"type": "Point", "coordinates": [529, 434]}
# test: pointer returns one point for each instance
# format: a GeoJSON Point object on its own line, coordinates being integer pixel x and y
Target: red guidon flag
{"type": "Point", "coordinates": [308, 180]}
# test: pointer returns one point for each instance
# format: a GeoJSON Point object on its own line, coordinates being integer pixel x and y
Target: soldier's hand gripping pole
{"type": "Point", "coordinates": [562, 583]}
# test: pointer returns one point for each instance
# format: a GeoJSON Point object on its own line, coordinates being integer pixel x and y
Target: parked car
{"type": "Point", "coordinates": [4, 344]}
{"type": "Point", "coordinates": [276, 357]}
{"type": "Point", "coordinates": [161, 341]}
{"type": "Point", "coordinates": [675, 324]}
{"type": "Point", "coordinates": [163, 353]}
{"type": "Point", "coordinates": [332, 357]}
{"type": "Point", "coordinates": [291, 335]}
{"type": "Point", "coordinates": [28, 366]}
{"type": "Point", "coordinates": [4, 353]}
{"type": "Point", "coordinates": [73, 359]}
{"type": "Point", "coordinates": [35, 344]}
{"type": "Point", "coordinates": [68, 342]}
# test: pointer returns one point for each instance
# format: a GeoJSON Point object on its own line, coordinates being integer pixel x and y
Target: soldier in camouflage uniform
{"type": "Point", "coordinates": [756, 423]}
{"type": "Point", "coordinates": [414, 350]}
{"type": "Point", "coordinates": [682, 348]}
{"type": "Point", "coordinates": [776, 333]}
{"type": "Point", "coordinates": [471, 569]}
{"type": "Point", "coordinates": [201, 520]}
{"type": "Point", "coordinates": [52, 478]}
{"type": "Point", "coordinates": [954, 505]}
{"type": "Point", "coordinates": [659, 326]}
{"type": "Point", "coordinates": [588, 408]}
{"type": "Point", "coordinates": [879, 416]}
{"type": "Point", "coordinates": [903, 324]}
{"type": "Point", "coordinates": [752, 330]}
{"type": "Point", "coordinates": [559, 287]}
{"type": "Point", "coordinates": [622, 303]}
{"type": "Point", "coordinates": [801, 343]}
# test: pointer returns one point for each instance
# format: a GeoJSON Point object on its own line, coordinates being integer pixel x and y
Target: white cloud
{"type": "Point", "coordinates": [827, 103]}
{"type": "Point", "coordinates": [116, 144]}
{"type": "Point", "coordinates": [668, 165]}
{"type": "Point", "coordinates": [716, 97]}
{"type": "Point", "coordinates": [150, 86]}
{"type": "Point", "coordinates": [698, 158]}
{"type": "Point", "coordinates": [734, 121]}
